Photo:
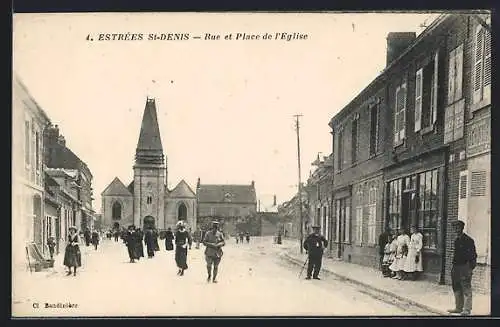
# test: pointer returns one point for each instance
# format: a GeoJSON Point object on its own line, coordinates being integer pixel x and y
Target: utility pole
{"type": "Point", "coordinates": [297, 127]}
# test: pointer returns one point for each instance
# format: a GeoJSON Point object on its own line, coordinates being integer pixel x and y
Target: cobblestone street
{"type": "Point", "coordinates": [252, 281]}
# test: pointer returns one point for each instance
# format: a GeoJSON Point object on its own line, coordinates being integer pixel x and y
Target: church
{"type": "Point", "coordinates": [147, 201]}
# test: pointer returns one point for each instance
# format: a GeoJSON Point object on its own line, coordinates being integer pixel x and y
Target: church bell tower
{"type": "Point", "coordinates": [150, 172]}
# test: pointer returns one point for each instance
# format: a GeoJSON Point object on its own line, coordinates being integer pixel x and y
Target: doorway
{"type": "Point", "coordinates": [409, 212]}
{"type": "Point", "coordinates": [148, 223]}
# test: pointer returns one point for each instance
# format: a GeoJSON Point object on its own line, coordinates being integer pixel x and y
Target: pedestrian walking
{"type": "Point", "coordinates": [413, 265]}
{"type": "Point", "coordinates": [397, 266]}
{"type": "Point", "coordinates": [182, 242]}
{"type": "Point", "coordinates": [463, 264]}
{"type": "Point", "coordinates": [314, 245]}
{"type": "Point", "coordinates": [155, 240]}
{"type": "Point", "coordinates": [131, 239]}
{"type": "Point", "coordinates": [247, 236]}
{"type": "Point", "coordinates": [51, 244]}
{"type": "Point", "coordinates": [150, 243]}
{"type": "Point", "coordinates": [213, 241]}
{"type": "Point", "coordinates": [241, 237]}
{"type": "Point", "coordinates": [169, 238]}
{"type": "Point", "coordinates": [140, 244]}
{"type": "Point", "coordinates": [191, 236]}
{"type": "Point", "coordinates": [72, 254]}
{"type": "Point", "coordinates": [117, 235]}
{"type": "Point", "coordinates": [87, 237]}
{"type": "Point", "coordinates": [95, 239]}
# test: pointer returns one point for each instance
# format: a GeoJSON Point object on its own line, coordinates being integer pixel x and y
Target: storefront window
{"type": "Point", "coordinates": [428, 210]}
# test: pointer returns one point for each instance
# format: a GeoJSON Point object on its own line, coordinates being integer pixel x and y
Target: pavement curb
{"type": "Point", "coordinates": [371, 287]}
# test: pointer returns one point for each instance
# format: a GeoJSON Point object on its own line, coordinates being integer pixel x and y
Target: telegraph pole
{"type": "Point", "coordinates": [297, 127]}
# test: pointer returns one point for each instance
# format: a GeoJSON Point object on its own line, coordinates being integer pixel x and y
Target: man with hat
{"type": "Point", "coordinates": [464, 262]}
{"type": "Point", "coordinates": [314, 245]}
{"type": "Point", "coordinates": [131, 241]}
{"type": "Point", "coordinates": [213, 241]}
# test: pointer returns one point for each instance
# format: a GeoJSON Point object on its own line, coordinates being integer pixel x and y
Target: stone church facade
{"type": "Point", "coordinates": [147, 201]}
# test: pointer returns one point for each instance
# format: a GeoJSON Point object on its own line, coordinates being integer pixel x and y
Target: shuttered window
{"type": "Point", "coordinates": [359, 225]}
{"type": "Point", "coordinates": [463, 186]}
{"type": "Point", "coordinates": [478, 183]}
{"type": "Point", "coordinates": [481, 81]}
{"type": "Point", "coordinates": [372, 215]}
{"type": "Point", "coordinates": [418, 99]}
{"type": "Point", "coordinates": [400, 115]}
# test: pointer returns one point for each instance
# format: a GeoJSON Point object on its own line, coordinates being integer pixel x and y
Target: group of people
{"type": "Point", "coordinates": [402, 254]}
{"type": "Point", "coordinates": [240, 237]}
{"type": "Point", "coordinates": [183, 240]}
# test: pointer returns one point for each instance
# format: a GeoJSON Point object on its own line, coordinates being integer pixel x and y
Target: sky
{"type": "Point", "coordinates": [225, 107]}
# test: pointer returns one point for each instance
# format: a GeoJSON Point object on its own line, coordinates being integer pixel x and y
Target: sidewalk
{"type": "Point", "coordinates": [424, 294]}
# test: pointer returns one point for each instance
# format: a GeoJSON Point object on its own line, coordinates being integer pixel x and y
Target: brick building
{"type": "Point", "coordinates": [229, 203]}
{"type": "Point", "coordinates": [431, 140]}
{"type": "Point", "coordinates": [290, 214]}
{"type": "Point", "coordinates": [29, 121]}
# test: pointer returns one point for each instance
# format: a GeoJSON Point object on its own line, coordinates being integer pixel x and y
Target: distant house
{"type": "Point", "coordinates": [228, 203]}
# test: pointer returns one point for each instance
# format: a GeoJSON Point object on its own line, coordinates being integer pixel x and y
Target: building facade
{"type": "Point", "coordinates": [28, 210]}
{"type": "Point", "coordinates": [147, 202]}
{"type": "Point", "coordinates": [413, 148]}
{"type": "Point", "coordinates": [59, 156]}
{"type": "Point", "coordinates": [229, 203]}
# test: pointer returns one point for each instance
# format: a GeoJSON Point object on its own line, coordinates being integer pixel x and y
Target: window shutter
{"type": "Point", "coordinates": [458, 128]}
{"type": "Point", "coordinates": [478, 64]}
{"type": "Point", "coordinates": [449, 121]}
{"type": "Point", "coordinates": [396, 116]}
{"type": "Point", "coordinates": [359, 224]}
{"type": "Point", "coordinates": [435, 88]}
{"type": "Point", "coordinates": [337, 223]}
{"type": "Point", "coordinates": [347, 224]}
{"type": "Point", "coordinates": [402, 113]}
{"type": "Point", "coordinates": [459, 68]}
{"type": "Point", "coordinates": [418, 99]}
{"type": "Point", "coordinates": [451, 76]}
{"type": "Point", "coordinates": [487, 65]}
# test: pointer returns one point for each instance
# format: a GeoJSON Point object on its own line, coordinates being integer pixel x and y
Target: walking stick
{"type": "Point", "coordinates": [302, 270]}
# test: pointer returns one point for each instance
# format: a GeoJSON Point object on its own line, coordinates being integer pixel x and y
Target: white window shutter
{"type": "Point", "coordinates": [487, 66]}
{"type": "Point", "coordinates": [418, 99]}
{"type": "Point", "coordinates": [435, 88]}
{"type": "Point", "coordinates": [396, 116]}
{"type": "Point", "coordinates": [463, 192]}
{"type": "Point", "coordinates": [451, 76]}
{"type": "Point", "coordinates": [459, 70]}
{"type": "Point", "coordinates": [478, 64]}
{"type": "Point", "coordinates": [359, 224]}
{"type": "Point", "coordinates": [402, 114]}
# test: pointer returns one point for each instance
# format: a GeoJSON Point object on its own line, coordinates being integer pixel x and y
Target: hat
{"type": "Point", "coordinates": [215, 222]}
{"type": "Point", "coordinates": [316, 227]}
{"type": "Point", "coordinates": [459, 223]}
{"type": "Point", "coordinates": [73, 228]}
{"type": "Point", "coordinates": [180, 223]}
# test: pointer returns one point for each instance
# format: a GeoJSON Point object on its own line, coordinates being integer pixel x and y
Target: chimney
{"type": "Point", "coordinates": [397, 42]}
{"type": "Point", "coordinates": [253, 184]}
{"type": "Point", "coordinates": [198, 183]}
{"type": "Point", "coordinates": [274, 200]}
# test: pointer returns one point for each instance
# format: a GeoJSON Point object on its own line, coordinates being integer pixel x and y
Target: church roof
{"type": "Point", "coordinates": [149, 148]}
{"type": "Point", "coordinates": [182, 190]}
{"type": "Point", "coordinates": [227, 193]}
{"type": "Point", "coordinates": [116, 187]}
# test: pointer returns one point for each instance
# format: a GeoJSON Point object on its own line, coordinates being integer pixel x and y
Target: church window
{"type": "Point", "coordinates": [149, 199]}
{"type": "Point", "coordinates": [117, 210]}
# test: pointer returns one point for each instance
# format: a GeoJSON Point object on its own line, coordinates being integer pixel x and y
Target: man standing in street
{"type": "Point", "coordinates": [314, 245]}
{"type": "Point", "coordinates": [382, 240]}
{"type": "Point", "coordinates": [213, 241]}
{"type": "Point", "coordinates": [464, 262]}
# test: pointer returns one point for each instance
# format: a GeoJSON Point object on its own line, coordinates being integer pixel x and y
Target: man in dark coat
{"type": "Point", "coordinates": [169, 238]}
{"type": "Point", "coordinates": [155, 240]}
{"type": "Point", "coordinates": [140, 244]}
{"type": "Point", "coordinates": [86, 236]}
{"type": "Point", "coordinates": [314, 245]}
{"type": "Point", "coordinates": [150, 242]}
{"type": "Point", "coordinates": [464, 262]}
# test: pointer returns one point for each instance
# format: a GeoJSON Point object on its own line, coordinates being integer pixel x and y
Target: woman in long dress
{"type": "Point", "coordinates": [397, 266]}
{"type": "Point", "coordinates": [169, 238]}
{"type": "Point", "coordinates": [72, 254]}
{"type": "Point", "coordinates": [182, 241]}
{"type": "Point", "coordinates": [413, 265]}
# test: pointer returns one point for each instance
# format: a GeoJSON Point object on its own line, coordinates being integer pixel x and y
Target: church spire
{"type": "Point", "coordinates": [149, 148]}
